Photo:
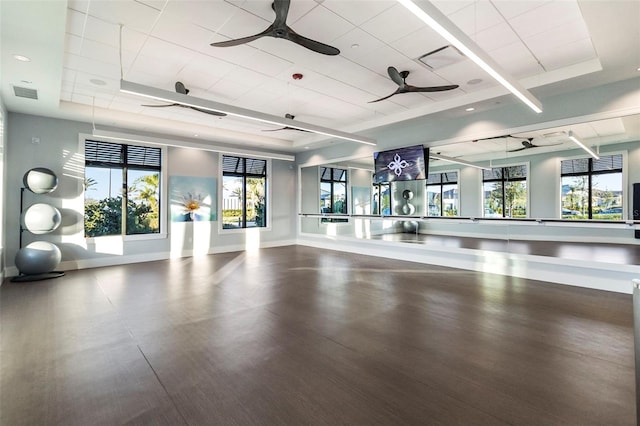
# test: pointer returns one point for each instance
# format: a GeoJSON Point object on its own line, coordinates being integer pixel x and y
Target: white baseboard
{"type": "Point", "coordinates": [71, 265]}
{"type": "Point", "coordinates": [594, 275]}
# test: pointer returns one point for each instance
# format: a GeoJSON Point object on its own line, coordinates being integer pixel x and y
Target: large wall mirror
{"type": "Point", "coordinates": [508, 184]}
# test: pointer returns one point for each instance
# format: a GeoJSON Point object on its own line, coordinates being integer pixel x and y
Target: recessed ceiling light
{"type": "Point", "coordinates": [474, 81]}
{"type": "Point", "coordinates": [638, 69]}
{"type": "Point", "coordinates": [196, 135]}
{"type": "Point", "coordinates": [355, 45]}
{"type": "Point", "coordinates": [21, 58]}
{"type": "Point", "coordinates": [306, 147]}
{"type": "Point", "coordinates": [470, 109]}
{"type": "Point", "coordinates": [98, 82]}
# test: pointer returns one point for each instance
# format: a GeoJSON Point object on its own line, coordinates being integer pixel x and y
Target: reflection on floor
{"type": "Point", "coordinates": [304, 336]}
{"type": "Point", "coordinates": [623, 254]}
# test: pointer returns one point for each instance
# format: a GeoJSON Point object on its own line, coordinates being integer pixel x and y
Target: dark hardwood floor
{"type": "Point", "coordinates": [303, 336]}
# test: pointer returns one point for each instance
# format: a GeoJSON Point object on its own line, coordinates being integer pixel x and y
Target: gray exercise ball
{"type": "Point", "coordinates": [408, 209]}
{"type": "Point", "coordinates": [41, 218]}
{"type": "Point", "coordinates": [410, 226]}
{"type": "Point", "coordinates": [38, 257]}
{"type": "Point", "coordinates": [40, 180]}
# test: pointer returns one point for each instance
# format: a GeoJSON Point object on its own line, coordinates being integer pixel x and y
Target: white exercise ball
{"type": "Point", "coordinates": [38, 257]}
{"type": "Point", "coordinates": [41, 218]}
{"type": "Point", "coordinates": [40, 180]}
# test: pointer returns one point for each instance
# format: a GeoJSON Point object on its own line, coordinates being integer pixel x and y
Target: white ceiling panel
{"type": "Point", "coordinates": [517, 60]}
{"type": "Point", "coordinates": [92, 66]}
{"type": "Point", "coordinates": [204, 71]}
{"type": "Point", "coordinates": [322, 25]}
{"type": "Point", "coordinates": [384, 57]}
{"type": "Point", "coordinates": [476, 17]}
{"type": "Point", "coordinates": [567, 54]}
{"type": "Point", "coordinates": [210, 15]}
{"type": "Point", "coordinates": [164, 41]}
{"type": "Point", "coordinates": [546, 17]}
{"type": "Point", "coordinates": [510, 9]}
{"type": "Point", "coordinates": [495, 37]}
{"type": "Point", "coordinates": [358, 11]}
{"type": "Point", "coordinates": [395, 23]}
{"type": "Point", "coordinates": [240, 24]}
{"type": "Point", "coordinates": [558, 36]}
{"type": "Point", "coordinates": [419, 43]}
{"type": "Point", "coordinates": [451, 6]}
{"type": "Point", "coordinates": [128, 13]}
{"type": "Point", "coordinates": [182, 33]}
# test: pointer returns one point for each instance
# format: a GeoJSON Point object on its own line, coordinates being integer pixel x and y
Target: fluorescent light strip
{"type": "Point", "coordinates": [454, 160]}
{"type": "Point", "coordinates": [179, 98]}
{"type": "Point", "coordinates": [104, 134]}
{"type": "Point", "coordinates": [581, 145]}
{"type": "Point", "coordinates": [431, 16]}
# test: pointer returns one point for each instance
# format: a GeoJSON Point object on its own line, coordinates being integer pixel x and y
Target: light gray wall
{"type": "Point", "coordinates": [58, 150]}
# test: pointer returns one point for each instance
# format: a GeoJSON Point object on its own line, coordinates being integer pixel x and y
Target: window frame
{"type": "Point", "coordinates": [267, 195]}
{"type": "Point", "coordinates": [590, 173]}
{"type": "Point", "coordinates": [163, 183]}
{"type": "Point", "coordinates": [441, 184]}
{"type": "Point", "coordinates": [503, 181]}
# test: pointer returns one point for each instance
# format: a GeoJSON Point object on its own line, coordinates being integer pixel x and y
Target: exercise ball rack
{"type": "Point", "coordinates": [38, 260]}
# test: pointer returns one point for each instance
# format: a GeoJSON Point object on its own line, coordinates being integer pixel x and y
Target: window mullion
{"type": "Point", "coordinates": [125, 199]}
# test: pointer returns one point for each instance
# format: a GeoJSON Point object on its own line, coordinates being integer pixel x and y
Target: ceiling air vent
{"type": "Point", "coordinates": [24, 92]}
{"type": "Point", "coordinates": [440, 58]}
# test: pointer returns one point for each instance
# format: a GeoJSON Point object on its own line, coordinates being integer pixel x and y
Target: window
{"type": "Point", "coordinates": [333, 190]}
{"type": "Point", "coordinates": [442, 194]}
{"type": "Point", "coordinates": [592, 189]}
{"type": "Point", "coordinates": [121, 178]}
{"type": "Point", "coordinates": [244, 186]}
{"type": "Point", "coordinates": [505, 191]}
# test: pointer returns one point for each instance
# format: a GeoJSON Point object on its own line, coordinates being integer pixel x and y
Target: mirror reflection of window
{"type": "Point", "coordinates": [442, 194]}
{"type": "Point", "coordinates": [505, 192]}
{"type": "Point", "coordinates": [381, 203]}
{"type": "Point", "coordinates": [592, 189]}
{"type": "Point", "coordinates": [333, 190]}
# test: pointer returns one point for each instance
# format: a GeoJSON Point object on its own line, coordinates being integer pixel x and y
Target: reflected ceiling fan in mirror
{"type": "Point", "coordinates": [400, 79]}
{"type": "Point", "coordinates": [183, 90]}
{"type": "Point", "coordinates": [280, 29]}
{"type": "Point", "coordinates": [290, 117]}
{"type": "Point", "coordinates": [527, 143]}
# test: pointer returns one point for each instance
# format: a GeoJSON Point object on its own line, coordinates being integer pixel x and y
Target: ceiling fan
{"type": "Point", "coordinates": [400, 79]}
{"type": "Point", "coordinates": [290, 117]}
{"type": "Point", "coordinates": [280, 29]}
{"type": "Point", "coordinates": [183, 90]}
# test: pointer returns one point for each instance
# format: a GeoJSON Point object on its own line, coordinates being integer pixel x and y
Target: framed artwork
{"type": "Point", "coordinates": [192, 199]}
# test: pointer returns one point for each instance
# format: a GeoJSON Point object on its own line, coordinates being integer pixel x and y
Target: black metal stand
{"type": "Point", "coordinates": [23, 278]}
{"type": "Point", "coordinates": [31, 277]}
{"type": "Point", "coordinates": [21, 204]}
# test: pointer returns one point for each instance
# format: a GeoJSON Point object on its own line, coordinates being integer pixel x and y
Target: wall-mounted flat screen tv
{"type": "Point", "coordinates": [408, 163]}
